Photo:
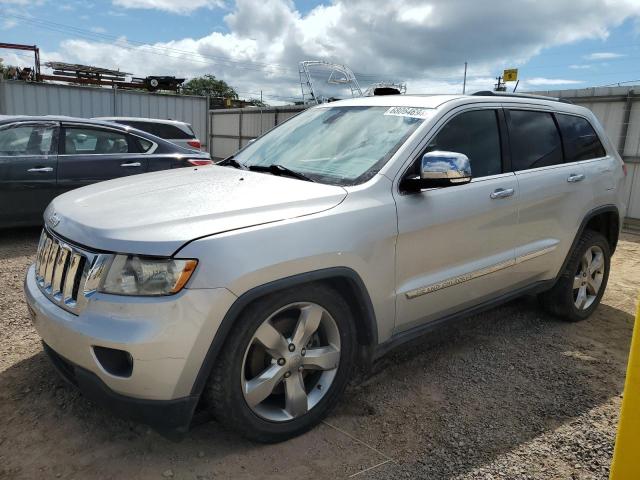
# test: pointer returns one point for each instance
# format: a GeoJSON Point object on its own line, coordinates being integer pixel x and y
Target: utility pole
{"type": "Point", "coordinates": [464, 82]}
{"type": "Point", "coordinates": [500, 86]}
{"type": "Point", "coordinates": [261, 97]}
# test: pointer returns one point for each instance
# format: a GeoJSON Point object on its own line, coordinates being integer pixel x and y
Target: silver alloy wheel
{"type": "Point", "coordinates": [588, 280]}
{"type": "Point", "coordinates": [290, 362]}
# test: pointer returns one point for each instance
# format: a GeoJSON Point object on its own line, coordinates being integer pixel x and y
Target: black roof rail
{"type": "Point", "coordinates": [491, 93]}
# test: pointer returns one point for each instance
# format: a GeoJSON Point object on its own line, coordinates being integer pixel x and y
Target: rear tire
{"type": "Point", "coordinates": [580, 287]}
{"type": "Point", "coordinates": [284, 365]}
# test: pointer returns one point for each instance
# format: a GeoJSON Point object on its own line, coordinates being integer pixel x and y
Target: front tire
{"type": "Point", "coordinates": [581, 285]}
{"type": "Point", "coordinates": [284, 365]}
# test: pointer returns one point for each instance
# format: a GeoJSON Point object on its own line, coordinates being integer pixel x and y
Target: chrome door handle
{"type": "Point", "coordinates": [575, 177]}
{"type": "Point", "coordinates": [41, 169]}
{"type": "Point", "coordinates": [502, 193]}
{"type": "Point", "coordinates": [133, 164]}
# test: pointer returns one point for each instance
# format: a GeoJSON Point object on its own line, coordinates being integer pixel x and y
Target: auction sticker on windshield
{"type": "Point", "coordinates": [414, 112]}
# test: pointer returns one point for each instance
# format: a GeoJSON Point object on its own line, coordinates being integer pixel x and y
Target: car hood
{"type": "Point", "coordinates": [156, 213]}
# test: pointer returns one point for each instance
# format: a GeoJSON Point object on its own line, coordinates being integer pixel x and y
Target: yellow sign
{"type": "Point", "coordinates": [510, 75]}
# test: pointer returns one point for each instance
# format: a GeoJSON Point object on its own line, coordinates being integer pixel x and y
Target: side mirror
{"type": "Point", "coordinates": [440, 169]}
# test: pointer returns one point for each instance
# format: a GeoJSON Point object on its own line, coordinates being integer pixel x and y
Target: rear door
{"type": "Point", "coordinates": [581, 144]}
{"type": "Point", "coordinates": [90, 154]}
{"type": "Point", "coordinates": [553, 194]}
{"type": "Point", "coordinates": [28, 164]}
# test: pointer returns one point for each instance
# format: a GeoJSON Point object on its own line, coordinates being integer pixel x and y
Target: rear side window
{"type": "Point", "coordinates": [144, 145]}
{"type": "Point", "coordinates": [579, 139]}
{"type": "Point", "coordinates": [93, 141]}
{"type": "Point", "coordinates": [476, 135]}
{"type": "Point", "coordinates": [535, 141]}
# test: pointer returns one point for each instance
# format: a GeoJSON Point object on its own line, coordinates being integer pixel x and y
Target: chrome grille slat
{"type": "Point", "coordinates": [43, 239]}
{"type": "Point", "coordinates": [61, 272]}
{"type": "Point", "coordinates": [50, 264]}
{"type": "Point", "coordinates": [43, 258]}
{"type": "Point", "coordinates": [70, 280]}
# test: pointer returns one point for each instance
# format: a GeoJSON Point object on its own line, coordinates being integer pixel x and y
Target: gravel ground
{"type": "Point", "coordinates": [508, 394]}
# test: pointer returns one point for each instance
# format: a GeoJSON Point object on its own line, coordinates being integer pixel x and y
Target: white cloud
{"type": "Point", "coordinates": [415, 14]}
{"type": "Point", "coordinates": [98, 30]}
{"type": "Point", "coordinates": [541, 81]}
{"type": "Point", "coordinates": [267, 38]}
{"type": "Point", "coordinates": [603, 56]}
{"type": "Point", "coordinates": [580, 66]}
{"type": "Point", "coordinates": [173, 6]}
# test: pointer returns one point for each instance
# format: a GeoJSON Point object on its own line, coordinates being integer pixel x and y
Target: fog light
{"type": "Point", "coordinates": [116, 362]}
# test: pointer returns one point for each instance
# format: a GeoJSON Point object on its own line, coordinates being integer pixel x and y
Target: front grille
{"type": "Point", "coordinates": [66, 274]}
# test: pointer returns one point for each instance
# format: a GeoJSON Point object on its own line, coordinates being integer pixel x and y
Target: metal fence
{"type": "Point", "coordinates": [618, 109]}
{"type": "Point", "coordinates": [30, 98]}
{"type": "Point", "coordinates": [231, 129]}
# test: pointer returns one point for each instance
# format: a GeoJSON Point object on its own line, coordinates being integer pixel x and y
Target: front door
{"type": "Point", "coordinates": [456, 244]}
{"type": "Point", "coordinates": [90, 154]}
{"type": "Point", "coordinates": [28, 164]}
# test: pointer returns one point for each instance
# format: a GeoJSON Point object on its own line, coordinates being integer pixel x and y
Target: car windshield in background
{"type": "Point", "coordinates": [336, 145]}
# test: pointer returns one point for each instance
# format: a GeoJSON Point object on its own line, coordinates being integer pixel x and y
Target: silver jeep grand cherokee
{"type": "Point", "coordinates": [254, 288]}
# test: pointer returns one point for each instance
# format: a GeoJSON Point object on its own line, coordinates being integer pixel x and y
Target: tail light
{"type": "Point", "coordinates": [196, 162]}
{"type": "Point", "coordinates": [194, 144]}
{"type": "Point", "coordinates": [624, 168]}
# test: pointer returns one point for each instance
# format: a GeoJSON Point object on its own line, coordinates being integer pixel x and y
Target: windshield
{"type": "Point", "coordinates": [336, 145]}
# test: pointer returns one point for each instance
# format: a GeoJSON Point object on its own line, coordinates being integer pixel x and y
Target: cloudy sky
{"type": "Point", "coordinates": [255, 45]}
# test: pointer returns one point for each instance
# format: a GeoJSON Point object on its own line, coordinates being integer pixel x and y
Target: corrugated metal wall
{"type": "Point", "coordinates": [618, 109]}
{"type": "Point", "coordinates": [26, 98]}
{"type": "Point", "coordinates": [231, 129]}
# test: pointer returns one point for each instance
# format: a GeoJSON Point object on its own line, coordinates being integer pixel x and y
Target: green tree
{"type": "Point", "coordinates": [256, 102]}
{"type": "Point", "coordinates": [209, 85]}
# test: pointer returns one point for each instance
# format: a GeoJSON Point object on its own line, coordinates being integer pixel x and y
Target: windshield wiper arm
{"type": "Point", "coordinates": [231, 162]}
{"type": "Point", "coordinates": [280, 170]}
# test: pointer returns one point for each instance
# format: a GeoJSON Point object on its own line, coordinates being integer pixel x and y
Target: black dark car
{"type": "Point", "coordinates": [42, 157]}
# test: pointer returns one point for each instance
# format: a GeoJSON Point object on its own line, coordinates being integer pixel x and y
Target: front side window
{"type": "Point", "coordinates": [476, 135]}
{"type": "Point", "coordinates": [535, 141]}
{"type": "Point", "coordinates": [579, 139]}
{"type": "Point", "coordinates": [93, 141]}
{"type": "Point", "coordinates": [27, 140]}
{"type": "Point", "coordinates": [336, 145]}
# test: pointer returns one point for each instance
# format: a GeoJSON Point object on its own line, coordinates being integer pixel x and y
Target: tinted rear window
{"type": "Point", "coordinates": [535, 141]}
{"type": "Point", "coordinates": [579, 139]}
{"type": "Point", "coordinates": [162, 130]}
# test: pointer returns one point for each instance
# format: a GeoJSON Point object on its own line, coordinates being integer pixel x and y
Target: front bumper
{"type": "Point", "coordinates": [171, 418]}
{"type": "Point", "coordinates": [167, 338]}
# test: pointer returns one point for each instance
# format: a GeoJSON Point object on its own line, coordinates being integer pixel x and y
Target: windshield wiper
{"type": "Point", "coordinates": [231, 162]}
{"type": "Point", "coordinates": [280, 170]}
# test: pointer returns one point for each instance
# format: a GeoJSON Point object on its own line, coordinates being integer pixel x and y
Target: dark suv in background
{"type": "Point", "coordinates": [42, 157]}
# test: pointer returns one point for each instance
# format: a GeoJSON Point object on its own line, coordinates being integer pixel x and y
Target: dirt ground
{"type": "Point", "coordinates": [508, 394]}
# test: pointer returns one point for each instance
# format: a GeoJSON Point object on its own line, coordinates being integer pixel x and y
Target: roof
{"type": "Point", "coordinates": [142, 119]}
{"type": "Point", "coordinates": [53, 118]}
{"type": "Point", "coordinates": [436, 101]}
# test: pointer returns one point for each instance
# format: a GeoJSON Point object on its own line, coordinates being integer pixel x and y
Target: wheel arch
{"type": "Point", "coordinates": [344, 280]}
{"type": "Point", "coordinates": [605, 220]}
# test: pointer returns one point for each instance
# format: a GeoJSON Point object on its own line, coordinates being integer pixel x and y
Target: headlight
{"type": "Point", "coordinates": [132, 275]}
